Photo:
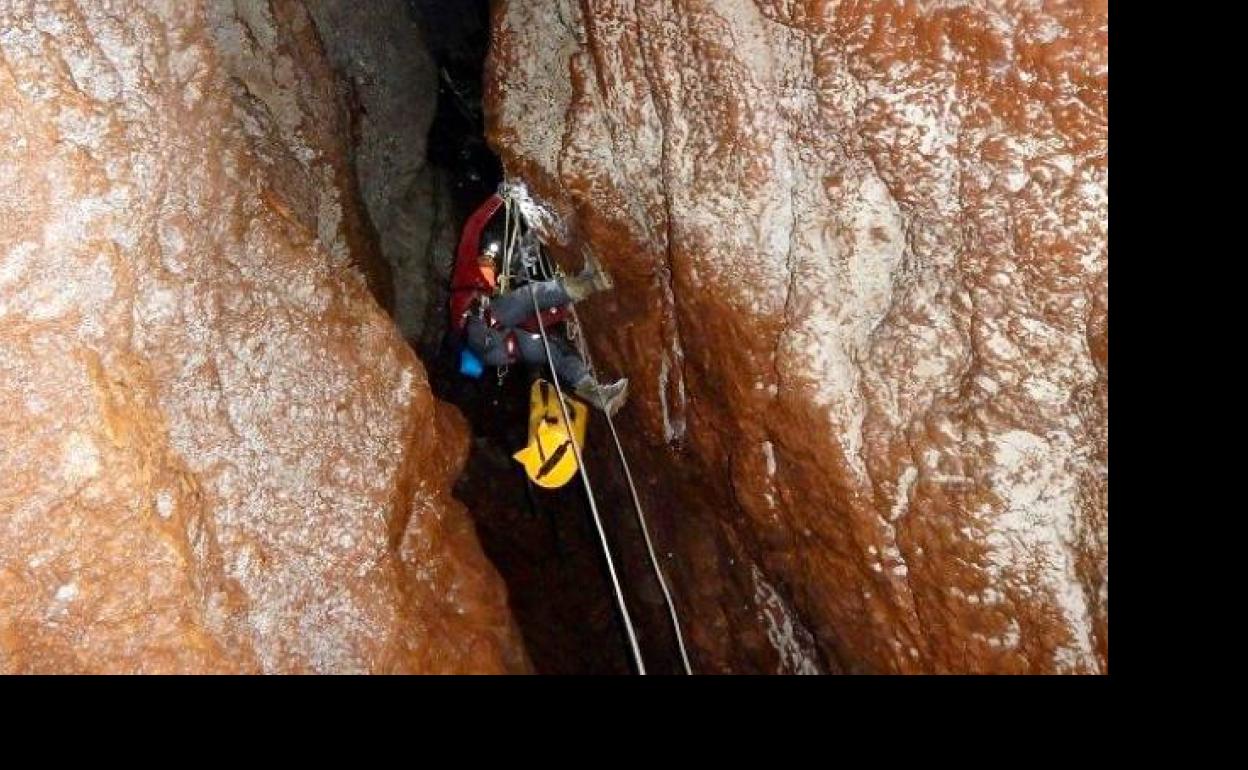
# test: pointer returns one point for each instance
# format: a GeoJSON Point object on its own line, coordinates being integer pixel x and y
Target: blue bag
{"type": "Point", "coordinates": [469, 364]}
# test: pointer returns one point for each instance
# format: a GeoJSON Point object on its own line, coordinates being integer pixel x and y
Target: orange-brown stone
{"type": "Point", "coordinates": [861, 261]}
{"type": "Point", "coordinates": [216, 452]}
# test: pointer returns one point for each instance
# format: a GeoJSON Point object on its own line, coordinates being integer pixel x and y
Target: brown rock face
{"type": "Point", "coordinates": [862, 291]}
{"type": "Point", "coordinates": [216, 453]}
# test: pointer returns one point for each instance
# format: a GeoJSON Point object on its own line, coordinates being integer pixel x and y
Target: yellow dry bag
{"type": "Point", "coordinates": [549, 459]}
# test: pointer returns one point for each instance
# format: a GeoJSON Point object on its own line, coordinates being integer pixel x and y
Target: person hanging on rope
{"type": "Point", "coordinates": [494, 326]}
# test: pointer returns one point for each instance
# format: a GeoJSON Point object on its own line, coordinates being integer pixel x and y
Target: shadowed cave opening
{"type": "Point", "coordinates": [542, 542]}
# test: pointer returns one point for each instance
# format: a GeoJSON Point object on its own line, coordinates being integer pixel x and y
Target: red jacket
{"type": "Point", "coordinates": [468, 280]}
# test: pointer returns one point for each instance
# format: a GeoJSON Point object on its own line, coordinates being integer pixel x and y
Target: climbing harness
{"type": "Point", "coordinates": [469, 282]}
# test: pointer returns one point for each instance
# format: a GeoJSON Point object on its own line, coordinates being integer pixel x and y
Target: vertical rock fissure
{"type": "Point", "coordinates": [540, 541]}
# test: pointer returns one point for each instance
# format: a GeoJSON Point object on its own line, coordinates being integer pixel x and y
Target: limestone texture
{"type": "Point", "coordinates": [217, 454]}
{"type": "Point", "coordinates": [861, 263]}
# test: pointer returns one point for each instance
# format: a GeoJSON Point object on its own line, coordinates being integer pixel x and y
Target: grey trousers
{"type": "Point", "coordinates": [513, 308]}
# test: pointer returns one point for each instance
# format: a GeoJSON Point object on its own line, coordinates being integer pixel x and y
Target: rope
{"type": "Point", "coordinates": [583, 348]}
{"type": "Point", "coordinates": [589, 491]}
{"type": "Point", "coordinates": [641, 517]}
{"type": "Point", "coordinates": [501, 280]}
{"type": "Point", "coordinates": [548, 272]}
{"type": "Point", "coordinates": [509, 242]}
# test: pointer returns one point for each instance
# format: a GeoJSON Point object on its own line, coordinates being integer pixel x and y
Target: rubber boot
{"type": "Point", "coordinates": [591, 279]}
{"type": "Point", "coordinates": [608, 398]}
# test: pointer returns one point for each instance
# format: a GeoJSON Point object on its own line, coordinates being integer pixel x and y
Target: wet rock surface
{"type": "Point", "coordinates": [862, 291]}
{"type": "Point", "coordinates": [216, 452]}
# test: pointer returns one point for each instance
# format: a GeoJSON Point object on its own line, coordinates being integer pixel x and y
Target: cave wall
{"type": "Point", "coordinates": [861, 259]}
{"type": "Point", "coordinates": [389, 81]}
{"type": "Point", "coordinates": [216, 452]}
